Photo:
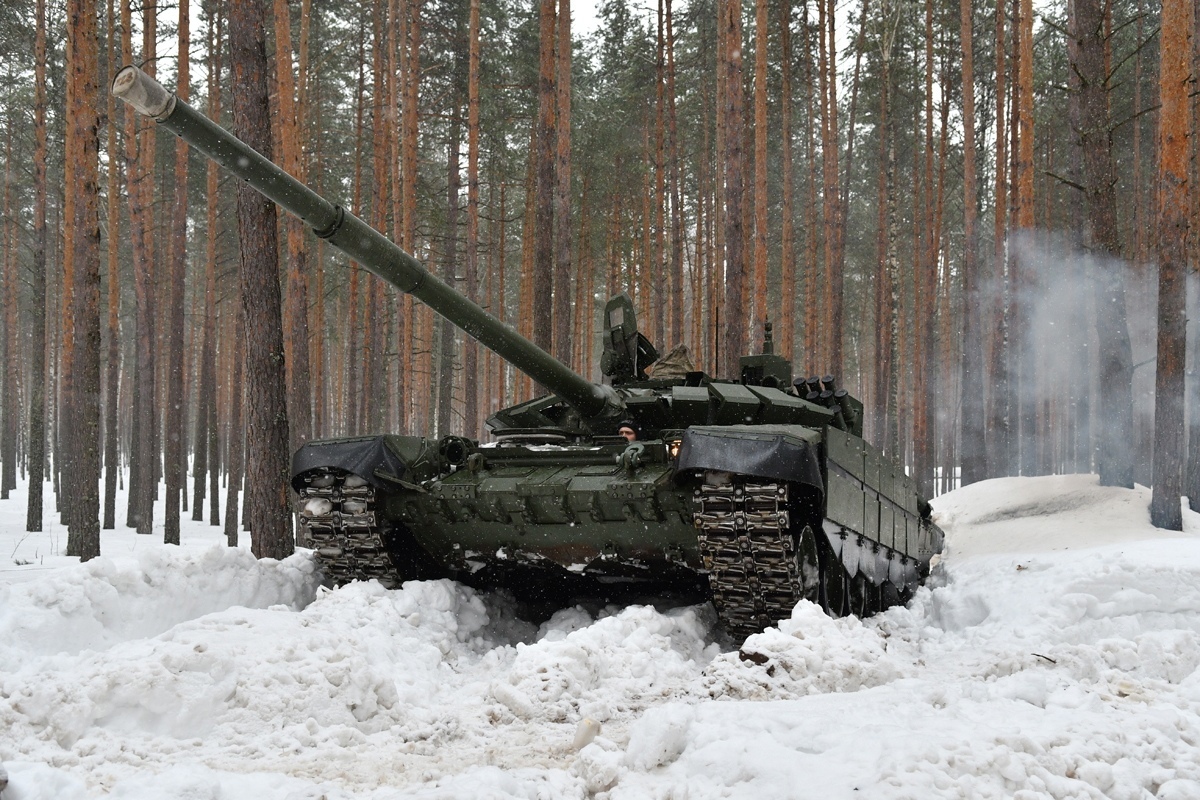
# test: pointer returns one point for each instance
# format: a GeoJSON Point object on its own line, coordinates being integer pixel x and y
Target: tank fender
{"type": "Point", "coordinates": [374, 458]}
{"type": "Point", "coordinates": [779, 452]}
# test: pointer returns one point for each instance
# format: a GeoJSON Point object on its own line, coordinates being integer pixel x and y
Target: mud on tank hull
{"type": "Point", "coordinates": [752, 517]}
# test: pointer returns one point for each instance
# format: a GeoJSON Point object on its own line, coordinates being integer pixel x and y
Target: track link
{"type": "Point", "coordinates": [758, 567]}
{"type": "Point", "coordinates": [337, 514]}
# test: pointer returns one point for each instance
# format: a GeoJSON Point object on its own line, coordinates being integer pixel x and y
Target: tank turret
{"type": "Point", "coordinates": [755, 491]}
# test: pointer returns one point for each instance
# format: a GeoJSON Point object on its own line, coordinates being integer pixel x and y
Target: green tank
{"type": "Point", "coordinates": [753, 491]}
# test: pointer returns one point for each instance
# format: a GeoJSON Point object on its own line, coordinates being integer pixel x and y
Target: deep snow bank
{"type": "Point", "coordinates": [1055, 653]}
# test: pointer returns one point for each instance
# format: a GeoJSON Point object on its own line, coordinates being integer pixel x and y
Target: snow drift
{"type": "Point", "coordinates": [1055, 653]}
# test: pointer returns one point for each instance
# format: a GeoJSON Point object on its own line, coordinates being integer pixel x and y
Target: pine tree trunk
{"type": "Point", "coordinates": [972, 450]}
{"type": "Point", "coordinates": [410, 123]}
{"type": "Point", "coordinates": [175, 320]}
{"type": "Point", "coordinates": [112, 455]}
{"type": "Point", "coordinates": [848, 171]}
{"type": "Point", "coordinates": [37, 346]}
{"type": "Point", "coordinates": [716, 288]}
{"type": "Point", "coordinates": [813, 313]}
{"type": "Point", "coordinates": [299, 379]}
{"type": "Point", "coordinates": [10, 411]}
{"type": "Point", "coordinates": [66, 492]}
{"type": "Point", "coordinates": [371, 407]}
{"type": "Point", "coordinates": [925, 262]}
{"type": "Point", "coordinates": [82, 171]}
{"type": "Point", "coordinates": [834, 234]}
{"type": "Point", "coordinates": [734, 321]}
{"type": "Point", "coordinates": [675, 279]}
{"type": "Point", "coordinates": [501, 394]}
{"type": "Point", "coordinates": [1192, 484]}
{"type": "Point", "coordinates": [758, 299]}
{"type": "Point", "coordinates": [657, 263]}
{"type": "Point", "coordinates": [1023, 273]}
{"type": "Point", "coordinates": [267, 423]}
{"type": "Point", "coordinates": [470, 349]}
{"type": "Point", "coordinates": [353, 352]}
{"type": "Point", "coordinates": [1114, 457]}
{"type": "Point", "coordinates": [1174, 83]}
{"type": "Point", "coordinates": [139, 172]}
{"type": "Point", "coordinates": [879, 400]}
{"type": "Point", "coordinates": [998, 446]}
{"type": "Point", "coordinates": [319, 378]}
{"type": "Point", "coordinates": [205, 442]}
{"type": "Point", "coordinates": [543, 155]}
{"type": "Point", "coordinates": [447, 329]}
{"type": "Point", "coordinates": [562, 186]}
{"type": "Point", "coordinates": [787, 267]}
{"type": "Point", "coordinates": [236, 436]}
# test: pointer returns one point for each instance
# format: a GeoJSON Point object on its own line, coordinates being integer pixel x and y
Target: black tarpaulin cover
{"type": "Point", "coordinates": [361, 456]}
{"type": "Point", "coordinates": [782, 452]}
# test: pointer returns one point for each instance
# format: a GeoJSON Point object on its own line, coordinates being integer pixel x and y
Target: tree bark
{"type": "Point", "coordinates": [373, 389]}
{"type": "Point", "coordinates": [813, 313]}
{"type": "Point", "coordinates": [834, 255]}
{"type": "Point", "coordinates": [1174, 82]}
{"type": "Point", "coordinates": [83, 177]}
{"type": "Point", "coordinates": [140, 149]}
{"type": "Point", "coordinates": [925, 281]}
{"type": "Point", "coordinates": [734, 321]}
{"type": "Point", "coordinates": [266, 404]}
{"type": "Point", "coordinates": [112, 455]}
{"type": "Point", "coordinates": [206, 430]}
{"type": "Point", "coordinates": [10, 412]}
{"type": "Point", "coordinates": [543, 155]}
{"type": "Point", "coordinates": [37, 360]}
{"type": "Point", "coordinates": [1023, 273]}
{"type": "Point", "coordinates": [410, 122]}
{"type": "Point", "coordinates": [972, 450]}
{"type": "Point", "coordinates": [657, 273]}
{"type": "Point", "coordinates": [787, 266]}
{"type": "Point", "coordinates": [236, 435]}
{"type": "Point", "coordinates": [470, 349]}
{"type": "Point", "coordinates": [758, 302]}
{"type": "Point", "coordinates": [675, 279]}
{"type": "Point", "coordinates": [299, 379]}
{"type": "Point", "coordinates": [353, 357]}
{"type": "Point", "coordinates": [174, 454]}
{"type": "Point", "coordinates": [1086, 51]}
{"type": "Point", "coordinates": [999, 444]}
{"type": "Point", "coordinates": [448, 331]}
{"type": "Point", "coordinates": [1192, 486]}
{"type": "Point", "coordinates": [562, 186]}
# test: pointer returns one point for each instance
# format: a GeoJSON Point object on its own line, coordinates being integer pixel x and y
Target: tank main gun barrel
{"type": "Point", "coordinates": [357, 239]}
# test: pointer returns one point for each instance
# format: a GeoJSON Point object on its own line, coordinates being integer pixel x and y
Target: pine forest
{"type": "Point", "coordinates": [980, 217]}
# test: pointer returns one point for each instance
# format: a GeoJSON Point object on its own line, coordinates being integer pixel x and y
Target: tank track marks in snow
{"type": "Point", "coordinates": [338, 519]}
{"type": "Point", "coordinates": [758, 566]}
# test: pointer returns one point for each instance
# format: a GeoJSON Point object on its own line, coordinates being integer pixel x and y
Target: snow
{"type": "Point", "coordinates": [1055, 653]}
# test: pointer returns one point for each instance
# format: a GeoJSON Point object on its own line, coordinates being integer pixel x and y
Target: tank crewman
{"type": "Point", "coordinates": [628, 428]}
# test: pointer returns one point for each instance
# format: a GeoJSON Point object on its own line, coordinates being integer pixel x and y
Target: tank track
{"type": "Point", "coordinates": [337, 515]}
{"type": "Point", "coordinates": [757, 568]}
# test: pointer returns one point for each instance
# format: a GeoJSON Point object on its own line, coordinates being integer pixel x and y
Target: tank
{"type": "Point", "coordinates": [754, 491]}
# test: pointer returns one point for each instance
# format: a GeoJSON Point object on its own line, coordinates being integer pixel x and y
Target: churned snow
{"type": "Point", "coordinates": [1055, 653]}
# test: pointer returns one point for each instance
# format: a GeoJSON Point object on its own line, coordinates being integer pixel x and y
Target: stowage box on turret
{"type": "Point", "coordinates": [754, 491]}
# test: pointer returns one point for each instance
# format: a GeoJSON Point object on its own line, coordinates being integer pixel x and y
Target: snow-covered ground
{"type": "Point", "coordinates": [1055, 653]}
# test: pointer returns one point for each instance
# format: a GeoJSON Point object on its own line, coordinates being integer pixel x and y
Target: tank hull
{"type": "Point", "coordinates": [752, 517]}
